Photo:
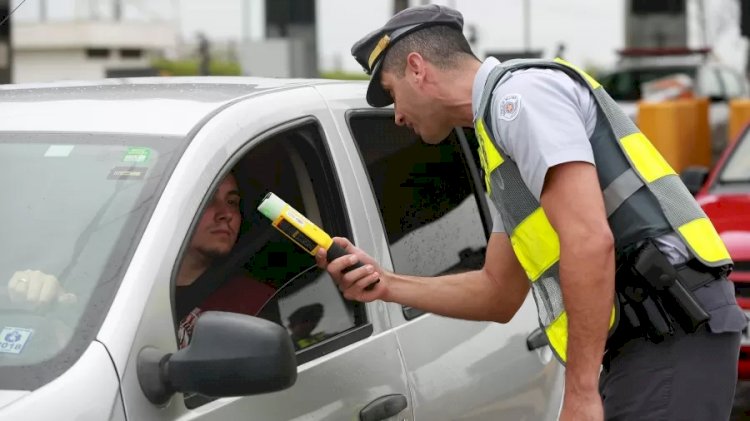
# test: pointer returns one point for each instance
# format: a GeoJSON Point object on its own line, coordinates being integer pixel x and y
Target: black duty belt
{"type": "Point", "coordinates": [655, 296]}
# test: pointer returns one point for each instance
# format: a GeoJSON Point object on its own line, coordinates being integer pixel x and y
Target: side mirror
{"type": "Point", "coordinates": [694, 178]}
{"type": "Point", "coordinates": [229, 355]}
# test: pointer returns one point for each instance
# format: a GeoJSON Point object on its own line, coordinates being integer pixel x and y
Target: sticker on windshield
{"type": "Point", "coordinates": [13, 339]}
{"type": "Point", "coordinates": [137, 155]}
{"type": "Point", "coordinates": [127, 173]}
{"type": "Point", "coordinates": [58, 151]}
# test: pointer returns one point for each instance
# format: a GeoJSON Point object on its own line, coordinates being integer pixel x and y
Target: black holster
{"type": "Point", "coordinates": [653, 294]}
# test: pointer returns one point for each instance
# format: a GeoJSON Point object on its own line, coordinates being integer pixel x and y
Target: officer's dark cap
{"type": "Point", "coordinates": [370, 50]}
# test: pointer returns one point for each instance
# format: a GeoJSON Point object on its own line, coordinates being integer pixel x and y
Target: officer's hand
{"type": "Point", "coordinates": [353, 283]}
{"type": "Point", "coordinates": [34, 289]}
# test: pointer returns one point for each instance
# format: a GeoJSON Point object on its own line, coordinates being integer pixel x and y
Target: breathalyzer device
{"type": "Point", "coordinates": [302, 231]}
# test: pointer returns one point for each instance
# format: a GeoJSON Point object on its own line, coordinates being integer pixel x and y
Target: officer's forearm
{"type": "Point", "coordinates": [471, 295]}
{"type": "Point", "coordinates": [587, 278]}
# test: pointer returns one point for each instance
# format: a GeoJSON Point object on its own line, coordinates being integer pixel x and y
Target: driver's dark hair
{"type": "Point", "coordinates": [441, 45]}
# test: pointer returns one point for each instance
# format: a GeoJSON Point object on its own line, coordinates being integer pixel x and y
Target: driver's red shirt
{"type": "Point", "coordinates": [241, 294]}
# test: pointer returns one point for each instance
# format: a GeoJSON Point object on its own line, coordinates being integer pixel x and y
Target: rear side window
{"type": "Point", "coordinates": [734, 86]}
{"type": "Point", "coordinates": [737, 167]}
{"type": "Point", "coordinates": [625, 85]}
{"type": "Point", "coordinates": [429, 199]}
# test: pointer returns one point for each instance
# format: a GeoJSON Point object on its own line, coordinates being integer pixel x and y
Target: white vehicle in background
{"type": "Point", "coordinates": [103, 184]}
{"type": "Point", "coordinates": [717, 82]}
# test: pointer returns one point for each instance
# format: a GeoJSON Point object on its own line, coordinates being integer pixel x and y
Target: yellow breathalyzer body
{"type": "Point", "coordinates": [294, 225]}
{"type": "Point", "coordinates": [301, 230]}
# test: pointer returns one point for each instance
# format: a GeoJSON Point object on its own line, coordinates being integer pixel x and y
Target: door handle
{"type": "Point", "coordinates": [383, 407]}
{"type": "Point", "coordinates": [536, 339]}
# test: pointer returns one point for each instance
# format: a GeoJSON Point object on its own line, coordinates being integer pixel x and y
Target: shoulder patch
{"type": "Point", "coordinates": [510, 106]}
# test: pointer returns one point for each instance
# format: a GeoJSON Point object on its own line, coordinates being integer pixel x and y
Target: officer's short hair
{"type": "Point", "coordinates": [441, 45]}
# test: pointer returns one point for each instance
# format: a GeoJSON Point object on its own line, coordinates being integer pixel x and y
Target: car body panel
{"type": "Point", "coordinates": [88, 391]}
{"type": "Point", "coordinates": [474, 370]}
{"type": "Point", "coordinates": [504, 381]}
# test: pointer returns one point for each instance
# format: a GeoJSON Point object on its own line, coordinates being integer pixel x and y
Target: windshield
{"type": "Point", "coordinates": [737, 167]}
{"type": "Point", "coordinates": [625, 85]}
{"type": "Point", "coordinates": [73, 209]}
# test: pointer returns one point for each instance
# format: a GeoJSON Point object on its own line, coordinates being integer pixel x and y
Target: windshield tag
{"type": "Point", "coordinates": [59, 151]}
{"type": "Point", "coordinates": [127, 173]}
{"type": "Point", "coordinates": [13, 339]}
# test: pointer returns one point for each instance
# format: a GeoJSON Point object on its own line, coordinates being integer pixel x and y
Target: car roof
{"type": "Point", "coordinates": [150, 105]}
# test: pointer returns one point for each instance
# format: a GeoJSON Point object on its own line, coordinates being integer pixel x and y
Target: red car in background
{"type": "Point", "coordinates": [724, 194]}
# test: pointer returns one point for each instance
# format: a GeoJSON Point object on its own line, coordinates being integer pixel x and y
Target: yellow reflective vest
{"type": "Point", "coordinates": [643, 196]}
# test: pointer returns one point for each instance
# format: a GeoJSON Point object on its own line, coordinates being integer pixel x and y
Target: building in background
{"type": "Point", "coordinates": [656, 24]}
{"type": "Point", "coordinates": [302, 38]}
{"type": "Point", "coordinates": [95, 47]}
{"type": "Point", "coordinates": [286, 44]}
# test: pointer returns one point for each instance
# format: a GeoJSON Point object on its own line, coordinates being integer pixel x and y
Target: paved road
{"type": "Point", "coordinates": [741, 410]}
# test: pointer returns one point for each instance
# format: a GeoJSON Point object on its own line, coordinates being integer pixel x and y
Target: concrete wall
{"type": "Point", "coordinates": [50, 51]}
{"type": "Point", "coordinates": [66, 64]}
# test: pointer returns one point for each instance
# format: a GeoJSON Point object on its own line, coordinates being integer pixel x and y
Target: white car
{"type": "Point", "coordinates": [717, 82]}
{"type": "Point", "coordinates": [103, 183]}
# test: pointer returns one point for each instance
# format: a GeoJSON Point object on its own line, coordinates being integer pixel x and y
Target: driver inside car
{"type": "Point", "coordinates": [214, 238]}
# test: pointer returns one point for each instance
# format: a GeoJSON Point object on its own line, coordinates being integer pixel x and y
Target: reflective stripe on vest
{"type": "Point", "coordinates": [533, 238]}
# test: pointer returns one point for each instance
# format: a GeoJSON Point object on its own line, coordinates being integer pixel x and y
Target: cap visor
{"type": "Point", "coordinates": [376, 95]}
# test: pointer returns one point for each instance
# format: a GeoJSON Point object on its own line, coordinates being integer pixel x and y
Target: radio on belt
{"type": "Point", "coordinates": [302, 231]}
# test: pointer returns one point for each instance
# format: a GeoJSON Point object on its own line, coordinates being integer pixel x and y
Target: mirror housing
{"type": "Point", "coordinates": [694, 178]}
{"type": "Point", "coordinates": [229, 354]}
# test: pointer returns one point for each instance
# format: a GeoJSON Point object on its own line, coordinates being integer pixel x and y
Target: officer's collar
{"type": "Point", "coordinates": [479, 80]}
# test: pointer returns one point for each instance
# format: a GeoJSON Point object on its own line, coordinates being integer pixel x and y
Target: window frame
{"type": "Point", "coordinates": [332, 207]}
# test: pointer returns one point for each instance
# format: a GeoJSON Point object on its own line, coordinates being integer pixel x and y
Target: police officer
{"type": "Point", "coordinates": [628, 274]}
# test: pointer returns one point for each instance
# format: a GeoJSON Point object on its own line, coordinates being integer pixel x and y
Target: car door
{"type": "Point", "coordinates": [350, 360]}
{"type": "Point", "coordinates": [434, 213]}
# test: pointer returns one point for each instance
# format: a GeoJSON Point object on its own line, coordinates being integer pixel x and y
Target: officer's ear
{"type": "Point", "coordinates": [416, 66]}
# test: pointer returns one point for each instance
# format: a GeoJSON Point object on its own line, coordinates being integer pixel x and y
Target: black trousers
{"type": "Point", "coordinates": [688, 376]}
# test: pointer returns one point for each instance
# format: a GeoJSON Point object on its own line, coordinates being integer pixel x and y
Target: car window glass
{"type": "Point", "coordinates": [737, 167]}
{"type": "Point", "coordinates": [625, 85]}
{"type": "Point", "coordinates": [709, 84]}
{"type": "Point", "coordinates": [294, 165]}
{"type": "Point", "coordinates": [732, 83]}
{"type": "Point", "coordinates": [426, 198]}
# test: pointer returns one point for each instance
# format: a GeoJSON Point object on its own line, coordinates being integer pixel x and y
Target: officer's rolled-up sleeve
{"type": "Point", "coordinates": [541, 120]}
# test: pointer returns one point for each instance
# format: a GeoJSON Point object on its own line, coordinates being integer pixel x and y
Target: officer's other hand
{"type": "Point", "coordinates": [34, 289]}
{"type": "Point", "coordinates": [353, 283]}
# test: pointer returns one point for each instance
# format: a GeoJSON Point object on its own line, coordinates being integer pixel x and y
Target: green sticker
{"type": "Point", "coordinates": [137, 155]}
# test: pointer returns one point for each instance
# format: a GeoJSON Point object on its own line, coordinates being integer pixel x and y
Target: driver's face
{"type": "Point", "coordinates": [220, 223]}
